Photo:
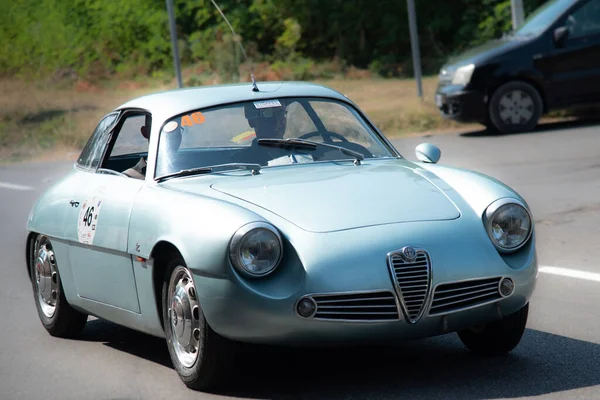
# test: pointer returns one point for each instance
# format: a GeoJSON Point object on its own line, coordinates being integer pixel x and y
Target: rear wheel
{"type": "Point", "coordinates": [55, 313]}
{"type": "Point", "coordinates": [498, 337]}
{"type": "Point", "coordinates": [515, 107]}
{"type": "Point", "coordinates": [201, 357]}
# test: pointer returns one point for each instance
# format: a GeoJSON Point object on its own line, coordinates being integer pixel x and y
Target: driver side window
{"type": "Point", "coordinates": [585, 21]}
{"type": "Point", "coordinates": [129, 147]}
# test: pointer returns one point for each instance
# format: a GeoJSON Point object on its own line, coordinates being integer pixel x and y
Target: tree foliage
{"type": "Point", "coordinates": [98, 38]}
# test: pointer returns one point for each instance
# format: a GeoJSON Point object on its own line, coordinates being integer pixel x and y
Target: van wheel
{"type": "Point", "coordinates": [515, 107]}
{"type": "Point", "coordinates": [55, 313]}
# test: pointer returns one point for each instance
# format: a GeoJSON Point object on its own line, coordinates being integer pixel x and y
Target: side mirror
{"type": "Point", "coordinates": [429, 153]}
{"type": "Point", "coordinates": [560, 35]}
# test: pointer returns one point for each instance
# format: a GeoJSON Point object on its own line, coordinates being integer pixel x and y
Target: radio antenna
{"type": "Point", "coordinates": [235, 36]}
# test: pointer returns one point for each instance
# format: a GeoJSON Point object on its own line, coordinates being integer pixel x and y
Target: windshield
{"type": "Point", "coordinates": [543, 17]}
{"type": "Point", "coordinates": [231, 134]}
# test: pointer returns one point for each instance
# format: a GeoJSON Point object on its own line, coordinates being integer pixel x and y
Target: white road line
{"type": "Point", "coordinates": [12, 186]}
{"type": "Point", "coordinates": [571, 273]}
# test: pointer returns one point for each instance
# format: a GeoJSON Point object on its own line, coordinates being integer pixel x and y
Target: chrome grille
{"type": "Point", "coordinates": [362, 306]}
{"type": "Point", "coordinates": [451, 297]}
{"type": "Point", "coordinates": [412, 282]}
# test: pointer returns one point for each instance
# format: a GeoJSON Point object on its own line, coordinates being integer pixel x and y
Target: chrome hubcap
{"type": "Point", "coordinates": [46, 279]}
{"type": "Point", "coordinates": [184, 316]}
{"type": "Point", "coordinates": [516, 108]}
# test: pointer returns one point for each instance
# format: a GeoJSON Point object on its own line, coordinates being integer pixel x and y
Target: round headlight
{"type": "Point", "coordinates": [256, 249]}
{"type": "Point", "coordinates": [508, 224]}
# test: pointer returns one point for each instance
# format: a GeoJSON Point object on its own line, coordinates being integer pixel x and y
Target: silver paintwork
{"type": "Point", "coordinates": [337, 224]}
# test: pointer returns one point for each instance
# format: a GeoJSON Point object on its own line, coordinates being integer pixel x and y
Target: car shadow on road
{"type": "Point", "coordinates": [544, 127]}
{"type": "Point", "coordinates": [438, 367]}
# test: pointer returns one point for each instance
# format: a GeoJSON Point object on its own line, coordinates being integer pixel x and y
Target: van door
{"type": "Point", "coordinates": [573, 67]}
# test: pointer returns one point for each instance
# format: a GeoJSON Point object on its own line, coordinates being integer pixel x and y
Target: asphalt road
{"type": "Point", "coordinates": [557, 170]}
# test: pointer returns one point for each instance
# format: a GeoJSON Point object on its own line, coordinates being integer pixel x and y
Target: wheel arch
{"type": "Point", "coordinates": [29, 256]}
{"type": "Point", "coordinates": [160, 254]}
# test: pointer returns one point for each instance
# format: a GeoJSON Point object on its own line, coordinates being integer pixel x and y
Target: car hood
{"type": "Point", "coordinates": [485, 51]}
{"type": "Point", "coordinates": [332, 197]}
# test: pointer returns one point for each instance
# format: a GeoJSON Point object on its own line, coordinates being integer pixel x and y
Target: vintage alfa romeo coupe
{"type": "Point", "coordinates": [275, 213]}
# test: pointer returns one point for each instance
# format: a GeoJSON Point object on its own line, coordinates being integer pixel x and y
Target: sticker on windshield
{"type": "Point", "coordinates": [267, 104]}
{"type": "Point", "coordinates": [88, 220]}
{"type": "Point", "coordinates": [244, 136]}
{"type": "Point", "coordinates": [192, 119]}
{"type": "Point", "coordinates": [171, 126]}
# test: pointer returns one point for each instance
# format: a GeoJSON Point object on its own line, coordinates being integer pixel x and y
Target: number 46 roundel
{"type": "Point", "coordinates": [88, 220]}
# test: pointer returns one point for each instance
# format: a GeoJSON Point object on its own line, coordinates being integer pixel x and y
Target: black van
{"type": "Point", "coordinates": [552, 61]}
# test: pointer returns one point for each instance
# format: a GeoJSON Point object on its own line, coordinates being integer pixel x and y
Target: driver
{"type": "Point", "coordinates": [138, 171]}
{"type": "Point", "coordinates": [269, 121]}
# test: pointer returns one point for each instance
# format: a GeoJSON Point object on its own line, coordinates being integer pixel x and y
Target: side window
{"type": "Point", "coordinates": [130, 140]}
{"type": "Point", "coordinates": [585, 21]}
{"type": "Point", "coordinates": [92, 152]}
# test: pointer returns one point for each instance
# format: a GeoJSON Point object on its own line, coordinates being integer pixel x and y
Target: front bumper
{"type": "Point", "coordinates": [264, 311]}
{"type": "Point", "coordinates": [460, 104]}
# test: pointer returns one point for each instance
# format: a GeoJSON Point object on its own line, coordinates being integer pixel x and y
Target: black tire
{"type": "Point", "coordinates": [533, 107]}
{"type": "Point", "coordinates": [215, 354]}
{"type": "Point", "coordinates": [65, 321]}
{"type": "Point", "coordinates": [497, 338]}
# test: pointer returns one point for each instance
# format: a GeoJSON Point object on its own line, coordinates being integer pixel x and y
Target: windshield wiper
{"type": "Point", "coordinates": [294, 142]}
{"type": "Point", "coordinates": [205, 170]}
{"type": "Point", "coordinates": [286, 143]}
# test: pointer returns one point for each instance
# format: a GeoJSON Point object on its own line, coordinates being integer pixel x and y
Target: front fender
{"type": "Point", "coordinates": [476, 189]}
{"type": "Point", "coordinates": [200, 227]}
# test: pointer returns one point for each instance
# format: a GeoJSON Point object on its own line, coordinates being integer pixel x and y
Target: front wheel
{"type": "Point", "coordinates": [55, 313]}
{"type": "Point", "coordinates": [515, 107]}
{"type": "Point", "coordinates": [498, 337]}
{"type": "Point", "coordinates": [200, 356]}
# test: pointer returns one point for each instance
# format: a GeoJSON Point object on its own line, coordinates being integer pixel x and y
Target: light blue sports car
{"type": "Point", "coordinates": [275, 213]}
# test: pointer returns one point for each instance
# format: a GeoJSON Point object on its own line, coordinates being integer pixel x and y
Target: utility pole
{"type": "Point", "coordinates": [414, 44]}
{"type": "Point", "coordinates": [516, 7]}
{"type": "Point", "coordinates": [173, 29]}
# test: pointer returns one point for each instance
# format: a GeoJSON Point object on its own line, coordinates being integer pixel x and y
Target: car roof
{"type": "Point", "coordinates": [172, 102]}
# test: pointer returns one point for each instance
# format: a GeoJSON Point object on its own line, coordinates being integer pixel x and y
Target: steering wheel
{"type": "Point", "coordinates": [346, 143]}
{"type": "Point", "coordinates": [112, 172]}
{"type": "Point", "coordinates": [323, 134]}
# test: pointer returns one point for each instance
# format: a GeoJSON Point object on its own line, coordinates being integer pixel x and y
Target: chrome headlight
{"type": "Point", "coordinates": [256, 249]}
{"type": "Point", "coordinates": [462, 76]}
{"type": "Point", "coordinates": [508, 223]}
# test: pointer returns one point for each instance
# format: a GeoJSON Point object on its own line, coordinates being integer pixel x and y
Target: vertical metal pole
{"type": "Point", "coordinates": [516, 7]}
{"type": "Point", "coordinates": [173, 29]}
{"type": "Point", "coordinates": [414, 44]}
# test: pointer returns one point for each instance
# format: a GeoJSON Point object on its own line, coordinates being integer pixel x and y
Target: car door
{"type": "Point", "coordinates": [573, 66]}
{"type": "Point", "coordinates": [98, 223]}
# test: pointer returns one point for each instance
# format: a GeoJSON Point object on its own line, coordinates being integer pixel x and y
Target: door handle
{"type": "Point", "coordinates": [74, 203]}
